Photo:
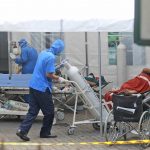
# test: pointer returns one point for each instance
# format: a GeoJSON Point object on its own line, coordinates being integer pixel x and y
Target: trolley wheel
{"type": "Point", "coordinates": [111, 128]}
{"type": "Point", "coordinates": [144, 128]}
{"type": "Point", "coordinates": [71, 130]}
{"type": "Point", "coordinates": [96, 126]}
{"type": "Point", "coordinates": [60, 115]}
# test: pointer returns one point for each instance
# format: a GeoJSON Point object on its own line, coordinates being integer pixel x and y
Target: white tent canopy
{"type": "Point", "coordinates": [70, 26]}
{"type": "Point", "coordinates": [70, 15]}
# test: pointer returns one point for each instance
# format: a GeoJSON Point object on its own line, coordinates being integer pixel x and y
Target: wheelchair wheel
{"type": "Point", "coordinates": [60, 115]}
{"type": "Point", "coordinates": [111, 128]}
{"type": "Point", "coordinates": [114, 130]}
{"type": "Point", "coordinates": [144, 127]}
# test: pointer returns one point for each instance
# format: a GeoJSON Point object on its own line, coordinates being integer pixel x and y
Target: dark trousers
{"type": "Point", "coordinates": [39, 100]}
{"type": "Point", "coordinates": [26, 98]}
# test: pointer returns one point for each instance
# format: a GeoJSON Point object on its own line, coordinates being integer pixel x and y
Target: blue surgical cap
{"type": "Point", "coordinates": [22, 42]}
{"type": "Point", "coordinates": [57, 46]}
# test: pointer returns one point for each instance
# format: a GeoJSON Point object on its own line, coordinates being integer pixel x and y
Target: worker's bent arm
{"type": "Point", "coordinates": [23, 57]}
{"type": "Point", "coordinates": [52, 76]}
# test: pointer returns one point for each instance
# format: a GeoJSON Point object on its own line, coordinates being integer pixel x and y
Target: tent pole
{"type": "Point", "coordinates": [86, 54]}
{"type": "Point", "coordinates": [61, 29]}
{"type": "Point", "coordinates": [9, 50]}
{"type": "Point", "coordinates": [100, 91]}
{"type": "Point", "coordinates": [61, 37]}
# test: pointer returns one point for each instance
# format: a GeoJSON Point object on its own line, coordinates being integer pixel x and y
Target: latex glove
{"type": "Point", "coordinates": [59, 66]}
{"type": "Point", "coordinates": [12, 56]}
{"type": "Point", "coordinates": [62, 80]}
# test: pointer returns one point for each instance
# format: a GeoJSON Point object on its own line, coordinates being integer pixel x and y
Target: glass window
{"type": "Point", "coordinates": [113, 41]}
{"type": "Point", "coordinates": [36, 40]}
{"type": "Point", "coordinates": [133, 51]}
{"type": "Point", "coordinates": [50, 37]}
{"type": "Point", "coordinates": [127, 39]}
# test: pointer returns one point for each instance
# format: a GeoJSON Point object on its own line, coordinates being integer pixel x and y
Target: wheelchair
{"type": "Point", "coordinates": [129, 115]}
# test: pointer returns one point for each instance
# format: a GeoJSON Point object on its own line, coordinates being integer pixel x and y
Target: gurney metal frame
{"type": "Point", "coordinates": [78, 93]}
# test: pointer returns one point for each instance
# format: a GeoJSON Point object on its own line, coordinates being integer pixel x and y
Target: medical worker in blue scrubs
{"type": "Point", "coordinates": [40, 92]}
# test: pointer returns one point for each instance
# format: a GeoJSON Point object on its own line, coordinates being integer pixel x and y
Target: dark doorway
{"type": "Point", "coordinates": [3, 52]}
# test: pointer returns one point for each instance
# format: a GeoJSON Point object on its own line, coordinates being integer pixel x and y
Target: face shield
{"type": "Point", "coordinates": [15, 48]}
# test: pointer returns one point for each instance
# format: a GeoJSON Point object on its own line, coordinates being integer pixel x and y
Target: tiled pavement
{"type": "Point", "coordinates": [83, 133]}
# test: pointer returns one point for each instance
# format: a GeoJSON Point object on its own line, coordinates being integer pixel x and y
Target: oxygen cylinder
{"type": "Point", "coordinates": [89, 95]}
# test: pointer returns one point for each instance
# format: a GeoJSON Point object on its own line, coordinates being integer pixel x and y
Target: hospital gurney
{"type": "Point", "coordinates": [11, 92]}
{"type": "Point", "coordinates": [13, 89]}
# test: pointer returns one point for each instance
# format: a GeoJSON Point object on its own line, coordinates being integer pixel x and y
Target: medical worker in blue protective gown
{"type": "Point", "coordinates": [27, 60]}
{"type": "Point", "coordinates": [28, 57]}
{"type": "Point", "coordinates": [40, 92]}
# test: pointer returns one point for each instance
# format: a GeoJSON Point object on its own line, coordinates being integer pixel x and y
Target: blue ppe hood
{"type": "Point", "coordinates": [57, 47]}
{"type": "Point", "coordinates": [22, 43]}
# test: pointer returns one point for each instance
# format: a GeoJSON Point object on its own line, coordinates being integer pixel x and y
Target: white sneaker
{"type": "Point", "coordinates": [147, 133]}
{"type": "Point", "coordinates": [134, 132]}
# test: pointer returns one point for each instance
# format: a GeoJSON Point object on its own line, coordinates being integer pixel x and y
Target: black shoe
{"type": "Point", "coordinates": [48, 136]}
{"type": "Point", "coordinates": [22, 135]}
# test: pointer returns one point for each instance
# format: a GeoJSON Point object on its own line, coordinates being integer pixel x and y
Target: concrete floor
{"type": "Point", "coordinates": [82, 138]}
